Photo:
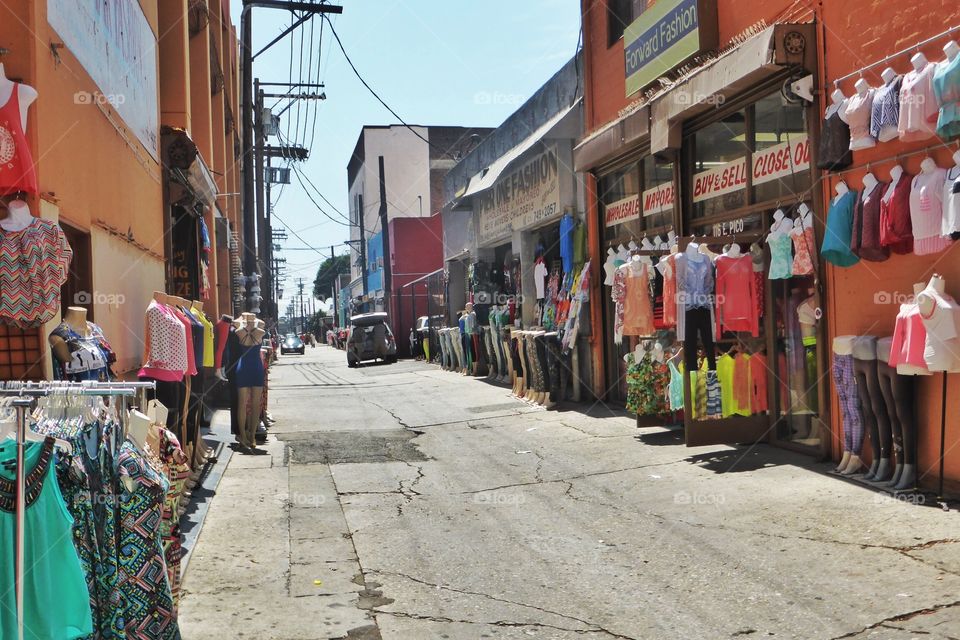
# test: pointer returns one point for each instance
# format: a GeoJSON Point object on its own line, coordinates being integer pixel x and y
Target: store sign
{"type": "Point", "coordinates": [658, 199]}
{"type": "Point", "coordinates": [664, 37]}
{"type": "Point", "coordinates": [117, 47]}
{"type": "Point", "coordinates": [781, 160]}
{"type": "Point", "coordinates": [770, 164]}
{"type": "Point", "coordinates": [525, 197]}
{"type": "Point", "coordinates": [621, 211]}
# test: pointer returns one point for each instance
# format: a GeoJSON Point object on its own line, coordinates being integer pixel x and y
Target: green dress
{"type": "Point", "coordinates": [56, 601]}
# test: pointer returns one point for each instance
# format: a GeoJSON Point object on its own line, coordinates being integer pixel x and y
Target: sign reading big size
{"type": "Point", "coordinates": [665, 36]}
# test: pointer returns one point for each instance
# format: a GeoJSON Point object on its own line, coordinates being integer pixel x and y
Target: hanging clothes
{"type": "Point", "coordinates": [857, 112]}
{"type": "Point", "coordinates": [836, 238]}
{"type": "Point", "coordinates": [567, 225]}
{"type": "Point", "coordinates": [885, 114]}
{"type": "Point", "coordinates": [34, 263]}
{"type": "Point", "coordinates": [736, 295]}
{"type": "Point", "coordinates": [176, 467]}
{"type": "Point", "coordinates": [896, 230]}
{"type": "Point", "coordinates": [758, 383]}
{"type": "Point", "coordinates": [166, 345]}
{"type": "Point", "coordinates": [17, 173]}
{"type": "Point", "coordinates": [926, 212]}
{"type": "Point", "coordinates": [918, 105]}
{"type": "Point", "coordinates": [637, 306]}
{"type": "Point", "coordinates": [804, 251]}
{"type": "Point", "coordinates": [90, 354]}
{"type": "Point", "coordinates": [781, 259]}
{"type": "Point", "coordinates": [909, 342]}
{"type": "Point", "coordinates": [55, 596]}
{"type": "Point", "coordinates": [865, 234]}
{"type": "Point", "coordinates": [946, 89]}
{"type": "Point", "coordinates": [667, 268]}
{"type": "Point", "coordinates": [647, 387]}
{"type": "Point", "coordinates": [834, 143]}
{"type": "Point", "coordinates": [951, 204]}
{"type": "Point", "coordinates": [742, 394]}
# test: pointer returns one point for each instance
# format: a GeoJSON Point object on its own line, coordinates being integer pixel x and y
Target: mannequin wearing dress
{"type": "Point", "coordinates": [77, 349]}
{"type": "Point", "coordinates": [249, 379]}
{"type": "Point", "coordinates": [19, 175]}
{"type": "Point", "coordinates": [780, 246]}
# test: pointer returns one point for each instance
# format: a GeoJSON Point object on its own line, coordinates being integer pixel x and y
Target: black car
{"type": "Point", "coordinates": [291, 344]}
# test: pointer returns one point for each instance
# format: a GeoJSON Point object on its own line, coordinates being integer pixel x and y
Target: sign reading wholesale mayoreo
{"type": "Point", "coordinates": [665, 36]}
{"type": "Point", "coordinates": [622, 211]}
{"type": "Point", "coordinates": [524, 198]}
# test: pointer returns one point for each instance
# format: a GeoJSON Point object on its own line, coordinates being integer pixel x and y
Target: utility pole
{"type": "Point", "coordinates": [363, 242]}
{"type": "Point", "coordinates": [300, 297]}
{"type": "Point", "coordinates": [385, 243]}
{"type": "Point", "coordinates": [336, 276]}
{"type": "Point", "coordinates": [263, 238]}
{"type": "Point", "coordinates": [248, 167]}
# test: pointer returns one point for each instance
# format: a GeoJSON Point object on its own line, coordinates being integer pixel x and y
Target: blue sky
{"type": "Point", "coordinates": [436, 62]}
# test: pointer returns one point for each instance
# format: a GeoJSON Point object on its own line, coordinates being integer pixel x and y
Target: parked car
{"type": "Point", "coordinates": [370, 338]}
{"type": "Point", "coordinates": [292, 344]}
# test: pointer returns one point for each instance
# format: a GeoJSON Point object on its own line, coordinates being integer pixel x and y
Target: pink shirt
{"type": "Point", "coordinates": [918, 105]}
{"type": "Point", "coordinates": [909, 342]}
{"type": "Point", "coordinates": [166, 349]}
{"type": "Point", "coordinates": [188, 330]}
{"type": "Point", "coordinates": [926, 212]}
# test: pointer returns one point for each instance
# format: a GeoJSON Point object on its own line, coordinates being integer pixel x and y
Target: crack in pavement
{"type": "Point", "coordinates": [594, 435]}
{"type": "Point", "coordinates": [390, 411]}
{"type": "Point", "coordinates": [594, 628]}
{"type": "Point", "coordinates": [900, 618]}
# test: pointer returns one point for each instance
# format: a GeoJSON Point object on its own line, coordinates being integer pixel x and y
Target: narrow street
{"type": "Point", "coordinates": [405, 502]}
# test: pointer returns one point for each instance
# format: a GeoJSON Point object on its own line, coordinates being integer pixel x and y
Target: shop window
{"type": "Point", "coordinates": [777, 123]}
{"type": "Point", "coordinates": [620, 13]}
{"type": "Point", "coordinates": [20, 354]}
{"type": "Point", "coordinates": [615, 189]}
{"type": "Point", "coordinates": [656, 204]}
{"type": "Point", "coordinates": [719, 152]}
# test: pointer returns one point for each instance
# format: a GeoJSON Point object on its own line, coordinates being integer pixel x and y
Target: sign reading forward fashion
{"type": "Point", "coordinates": [622, 211]}
{"type": "Point", "coordinates": [769, 164]}
{"type": "Point", "coordinates": [666, 35]}
{"type": "Point", "coordinates": [116, 46]}
{"type": "Point", "coordinates": [523, 198]}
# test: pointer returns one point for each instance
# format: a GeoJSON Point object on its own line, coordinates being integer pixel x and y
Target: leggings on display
{"type": "Point", "coordinates": [478, 351]}
{"type": "Point", "coordinates": [530, 359]}
{"type": "Point", "coordinates": [466, 343]}
{"type": "Point", "coordinates": [897, 393]}
{"type": "Point", "coordinates": [546, 380]}
{"type": "Point", "coordinates": [559, 369]}
{"type": "Point", "coordinates": [872, 406]}
{"type": "Point", "coordinates": [698, 321]}
{"type": "Point", "coordinates": [845, 383]}
{"type": "Point", "coordinates": [515, 357]}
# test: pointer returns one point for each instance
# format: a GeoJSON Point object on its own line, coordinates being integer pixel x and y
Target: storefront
{"type": "Point", "coordinates": [717, 164]}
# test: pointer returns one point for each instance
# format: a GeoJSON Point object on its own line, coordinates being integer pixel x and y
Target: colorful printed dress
{"type": "Point", "coordinates": [648, 385]}
{"type": "Point", "coordinates": [177, 470]}
{"type": "Point", "coordinates": [143, 570]}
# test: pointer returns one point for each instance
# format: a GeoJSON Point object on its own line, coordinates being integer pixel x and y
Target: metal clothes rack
{"type": "Point", "coordinates": [893, 56]}
{"type": "Point", "coordinates": [25, 393]}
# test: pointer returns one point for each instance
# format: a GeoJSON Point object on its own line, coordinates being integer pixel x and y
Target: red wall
{"type": "Point", "coordinates": [416, 249]}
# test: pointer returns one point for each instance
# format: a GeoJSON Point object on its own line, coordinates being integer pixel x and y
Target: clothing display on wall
{"type": "Point", "coordinates": [34, 263]}
{"type": "Point", "coordinates": [896, 230]}
{"type": "Point", "coordinates": [804, 250]}
{"type": "Point", "coordinates": [918, 105]}
{"type": "Point", "coordinates": [834, 152]}
{"type": "Point", "coordinates": [17, 173]}
{"type": "Point", "coordinates": [926, 211]}
{"type": "Point", "coordinates": [865, 234]}
{"type": "Point", "coordinates": [946, 89]}
{"type": "Point", "coordinates": [885, 114]}
{"type": "Point", "coordinates": [951, 204]}
{"type": "Point", "coordinates": [857, 113]}
{"type": "Point", "coordinates": [836, 239]}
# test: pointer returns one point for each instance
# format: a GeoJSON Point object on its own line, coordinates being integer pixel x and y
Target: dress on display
{"type": "Point", "coordinates": [17, 173]}
{"type": "Point", "coordinates": [804, 248]}
{"type": "Point", "coordinates": [249, 372]}
{"type": "Point", "coordinates": [736, 295]}
{"type": "Point", "coordinates": [781, 260]}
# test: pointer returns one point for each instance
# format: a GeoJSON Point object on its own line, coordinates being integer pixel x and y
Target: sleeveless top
{"type": "Point", "coordinates": [675, 387]}
{"type": "Point", "coordinates": [803, 248]}
{"type": "Point", "coordinates": [834, 144]}
{"type": "Point", "coordinates": [249, 367]}
{"type": "Point", "coordinates": [55, 596]}
{"type": "Point", "coordinates": [951, 202]}
{"type": "Point", "coordinates": [836, 238]}
{"type": "Point", "coordinates": [896, 231]}
{"type": "Point", "coordinates": [857, 113]}
{"type": "Point", "coordinates": [918, 105]}
{"type": "Point", "coordinates": [34, 263]}
{"type": "Point", "coordinates": [885, 114]}
{"type": "Point", "coordinates": [865, 234]}
{"type": "Point", "coordinates": [16, 163]}
{"type": "Point", "coordinates": [781, 266]}
{"type": "Point", "coordinates": [946, 87]}
{"type": "Point", "coordinates": [926, 212]}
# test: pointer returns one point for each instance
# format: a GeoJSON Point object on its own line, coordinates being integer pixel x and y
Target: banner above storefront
{"type": "Point", "coordinates": [665, 36]}
{"type": "Point", "coordinates": [522, 198]}
{"type": "Point", "coordinates": [769, 164]}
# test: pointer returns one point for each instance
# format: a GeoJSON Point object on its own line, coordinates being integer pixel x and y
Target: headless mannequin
{"type": "Point", "coordinates": [25, 93]}
{"type": "Point", "coordinates": [872, 403]}
{"type": "Point", "coordinates": [836, 103]}
{"type": "Point", "coordinates": [897, 393]}
{"type": "Point", "coordinates": [919, 61]}
{"type": "Point", "coordinates": [249, 399]}
{"type": "Point", "coordinates": [895, 174]}
{"type": "Point", "coordinates": [888, 75]}
{"type": "Point", "coordinates": [18, 216]}
{"type": "Point", "coordinates": [928, 165]}
{"type": "Point", "coordinates": [609, 267]}
{"type": "Point", "coordinates": [76, 318]}
{"type": "Point", "coordinates": [138, 429]}
{"type": "Point", "coordinates": [869, 184]}
{"type": "Point", "coordinates": [849, 405]}
{"type": "Point", "coordinates": [951, 49]}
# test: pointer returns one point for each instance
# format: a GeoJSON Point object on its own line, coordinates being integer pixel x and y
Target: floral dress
{"type": "Point", "coordinates": [803, 246]}
{"type": "Point", "coordinates": [647, 387]}
{"type": "Point", "coordinates": [143, 570]}
{"type": "Point", "coordinates": [619, 295]}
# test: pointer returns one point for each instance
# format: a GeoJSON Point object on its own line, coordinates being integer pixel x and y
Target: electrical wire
{"type": "Point", "coordinates": [375, 94]}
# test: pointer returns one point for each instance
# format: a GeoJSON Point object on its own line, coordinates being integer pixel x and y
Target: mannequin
{"type": "Point", "coordinates": [898, 396]}
{"type": "Point", "coordinates": [862, 87]}
{"type": "Point", "coordinates": [18, 216]}
{"type": "Point", "coordinates": [928, 165]}
{"type": "Point", "coordinates": [919, 61]}
{"type": "Point", "coordinates": [872, 405]}
{"type": "Point", "coordinates": [836, 103]}
{"type": "Point", "coordinates": [888, 75]}
{"type": "Point", "coordinates": [780, 243]}
{"type": "Point", "coordinates": [26, 94]}
{"type": "Point", "coordinates": [857, 113]}
{"type": "Point", "coordinates": [951, 49]}
{"type": "Point", "coordinates": [646, 245]}
{"type": "Point", "coordinates": [623, 254]}
{"type": "Point", "coordinates": [79, 348]}
{"type": "Point", "coordinates": [695, 288]}
{"type": "Point", "coordinates": [632, 245]}
{"type": "Point", "coordinates": [869, 182]}
{"type": "Point", "coordinates": [249, 379]}
{"type": "Point", "coordinates": [671, 239]}
{"type": "Point", "coordinates": [845, 385]}
{"type": "Point", "coordinates": [895, 174]}
{"type": "Point", "coordinates": [609, 267]}
{"type": "Point", "coordinates": [941, 318]}
{"type": "Point", "coordinates": [733, 251]}
{"type": "Point", "coordinates": [138, 429]}
{"type": "Point", "coordinates": [841, 189]}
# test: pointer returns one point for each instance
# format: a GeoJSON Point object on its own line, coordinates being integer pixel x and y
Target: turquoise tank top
{"type": "Point", "coordinates": [55, 598]}
{"type": "Point", "coordinates": [675, 387]}
{"type": "Point", "coordinates": [781, 259]}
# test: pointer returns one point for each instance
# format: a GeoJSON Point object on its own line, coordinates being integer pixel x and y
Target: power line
{"type": "Point", "coordinates": [374, 93]}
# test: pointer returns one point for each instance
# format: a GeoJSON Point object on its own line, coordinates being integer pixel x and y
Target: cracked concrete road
{"type": "Point", "coordinates": [404, 502]}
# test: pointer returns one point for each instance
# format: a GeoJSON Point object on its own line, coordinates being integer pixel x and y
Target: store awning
{"type": "Point", "coordinates": [612, 140]}
{"type": "Point", "coordinates": [756, 59]}
{"type": "Point", "coordinates": [486, 178]}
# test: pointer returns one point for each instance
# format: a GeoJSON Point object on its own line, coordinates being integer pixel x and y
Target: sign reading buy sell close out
{"type": "Point", "coordinates": [665, 36]}
{"type": "Point", "coordinates": [769, 164]}
{"type": "Point", "coordinates": [525, 197]}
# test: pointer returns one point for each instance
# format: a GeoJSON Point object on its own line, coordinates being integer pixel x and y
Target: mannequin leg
{"type": "Point", "coordinates": [845, 384]}
{"type": "Point", "coordinates": [891, 440]}
{"type": "Point", "coordinates": [528, 373]}
{"type": "Point", "coordinates": [547, 380]}
{"type": "Point", "coordinates": [517, 363]}
{"type": "Point", "coordinates": [243, 414]}
{"type": "Point", "coordinates": [903, 397]}
{"type": "Point", "coordinates": [533, 386]}
{"type": "Point", "coordinates": [253, 421]}
{"type": "Point", "coordinates": [873, 408]}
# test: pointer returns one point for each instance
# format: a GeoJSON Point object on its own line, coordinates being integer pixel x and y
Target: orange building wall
{"type": "Point", "coordinates": [864, 299]}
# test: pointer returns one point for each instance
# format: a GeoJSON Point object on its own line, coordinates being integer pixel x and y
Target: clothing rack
{"type": "Point", "coordinates": [893, 56]}
{"type": "Point", "coordinates": [895, 158]}
{"type": "Point", "coordinates": [24, 394]}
